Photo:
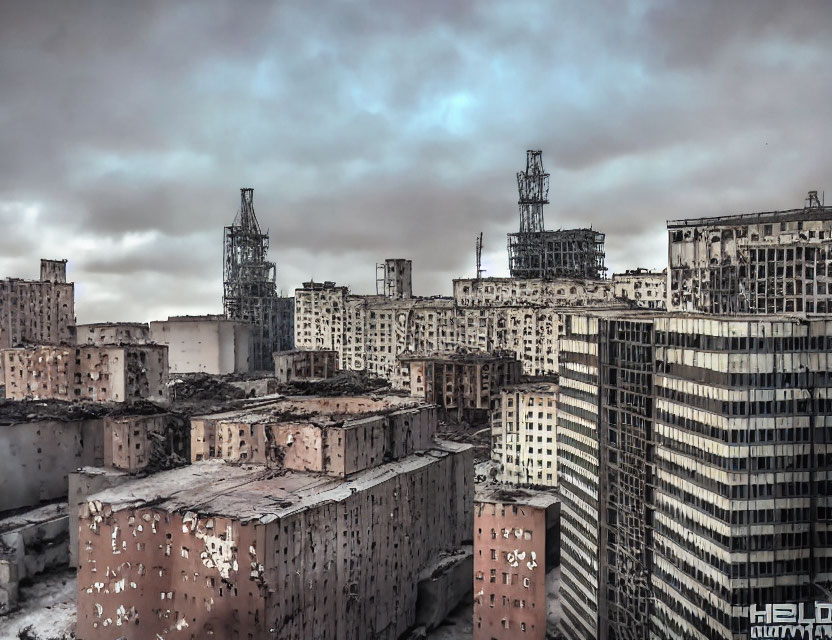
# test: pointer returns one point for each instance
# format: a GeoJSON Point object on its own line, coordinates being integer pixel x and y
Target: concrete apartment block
{"type": "Point", "coordinates": [488, 314]}
{"type": "Point", "coordinates": [37, 455]}
{"type": "Point", "coordinates": [524, 434]}
{"type": "Point", "coordinates": [746, 402]}
{"type": "Point", "coordinates": [241, 552]}
{"type": "Point", "coordinates": [132, 442]}
{"type": "Point", "coordinates": [693, 471]}
{"type": "Point", "coordinates": [206, 344]}
{"type": "Point", "coordinates": [305, 365]}
{"type": "Point", "coordinates": [515, 547]}
{"type": "Point", "coordinates": [461, 384]}
{"type": "Point", "coordinates": [647, 289]}
{"type": "Point", "coordinates": [337, 436]}
{"type": "Point", "coordinates": [37, 311]}
{"type": "Point", "coordinates": [771, 262]}
{"type": "Point", "coordinates": [108, 333]}
{"type": "Point", "coordinates": [87, 373]}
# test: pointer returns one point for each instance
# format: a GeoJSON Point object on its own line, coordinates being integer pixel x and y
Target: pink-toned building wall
{"type": "Point", "coordinates": [509, 571]}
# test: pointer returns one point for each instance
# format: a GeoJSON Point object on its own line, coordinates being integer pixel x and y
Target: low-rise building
{"type": "Point", "coordinates": [107, 333]}
{"type": "Point", "coordinates": [462, 384]}
{"type": "Point", "coordinates": [203, 344]}
{"type": "Point", "coordinates": [87, 373]}
{"type": "Point", "coordinates": [516, 538]}
{"type": "Point", "coordinates": [336, 436]}
{"type": "Point", "coordinates": [646, 288]}
{"type": "Point", "coordinates": [305, 365]}
{"type": "Point", "coordinates": [524, 434]}
{"type": "Point", "coordinates": [269, 549]}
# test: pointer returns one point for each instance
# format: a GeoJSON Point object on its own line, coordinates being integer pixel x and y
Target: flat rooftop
{"type": "Point", "coordinates": [789, 215]}
{"type": "Point", "coordinates": [253, 492]}
{"type": "Point", "coordinates": [540, 386]}
{"type": "Point", "coordinates": [500, 493]}
{"type": "Point", "coordinates": [464, 358]}
{"type": "Point", "coordinates": [320, 410]}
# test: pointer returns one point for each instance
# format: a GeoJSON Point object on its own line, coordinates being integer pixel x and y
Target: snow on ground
{"type": "Point", "coordinates": [48, 605]}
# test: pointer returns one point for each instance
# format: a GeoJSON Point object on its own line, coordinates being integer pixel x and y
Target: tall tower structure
{"type": "Point", "coordinates": [533, 187]}
{"type": "Point", "coordinates": [534, 252]}
{"type": "Point", "coordinates": [249, 289]}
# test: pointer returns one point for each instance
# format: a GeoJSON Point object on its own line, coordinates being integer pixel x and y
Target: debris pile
{"type": "Point", "coordinates": [14, 411]}
{"type": "Point", "coordinates": [203, 387]}
{"type": "Point", "coordinates": [344, 383]}
{"type": "Point", "coordinates": [476, 435]}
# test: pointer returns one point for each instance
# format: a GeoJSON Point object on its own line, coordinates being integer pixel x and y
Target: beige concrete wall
{"type": "Point", "coordinates": [207, 345]}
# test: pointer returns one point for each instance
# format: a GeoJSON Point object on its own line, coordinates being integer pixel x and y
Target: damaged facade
{"type": "Point", "coordinates": [370, 332]}
{"type": "Point", "coordinates": [305, 365]}
{"type": "Point", "coordinates": [203, 344]}
{"type": "Point", "coordinates": [37, 311]}
{"type": "Point", "coordinates": [773, 262]}
{"type": "Point", "coordinates": [87, 373]}
{"type": "Point", "coordinates": [264, 551]}
{"type": "Point", "coordinates": [249, 290]}
{"type": "Point", "coordinates": [464, 385]}
{"type": "Point", "coordinates": [523, 434]}
{"type": "Point", "coordinates": [106, 333]}
{"type": "Point", "coordinates": [648, 289]}
{"type": "Point", "coordinates": [515, 547]}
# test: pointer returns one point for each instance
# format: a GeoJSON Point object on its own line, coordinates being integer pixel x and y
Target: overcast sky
{"type": "Point", "coordinates": [388, 129]}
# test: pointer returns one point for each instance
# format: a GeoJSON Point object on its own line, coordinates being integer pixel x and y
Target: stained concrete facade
{"type": "Point", "coordinates": [203, 344]}
{"type": "Point", "coordinates": [87, 373]}
{"type": "Point", "coordinates": [305, 365]}
{"type": "Point", "coordinates": [397, 281]}
{"type": "Point", "coordinates": [337, 436]}
{"type": "Point", "coordinates": [646, 288]}
{"type": "Point", "coordinates": [36, 457]}
{"type": "Point", "coordinates": [485, 315]}
{"type": "Point", "coordinates": [515, 545]}
{"type": "Point", "coordinates": [37, 311]}
{"type": "Point", "coordinates": [109, 333]}
{"type": "Point", "coordinates": [463, 385]}
{"type": "Point", "coordinates": [38, 454]}
{"type": "Point", "coordinates": [771, 262]}
{"type": "Point", "coordinates": [243, 552]}
{"type": "Point", "coordinates": [524, 434]}
{"type": "Point", "coordinates": [746, 403]}
{"type": "Point", "coordinates": [693, 471]}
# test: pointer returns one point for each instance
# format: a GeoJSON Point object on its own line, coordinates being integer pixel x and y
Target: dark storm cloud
{"type": "Point", "coordinates": [381, 129]}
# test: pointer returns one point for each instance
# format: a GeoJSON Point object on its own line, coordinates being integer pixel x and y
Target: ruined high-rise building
{"type": "Point", "coordinates": [249, 289]}
{"type": "Point", "coordinates": [772, 262]}
{"type": "Point", "coordinates": [537, 253]}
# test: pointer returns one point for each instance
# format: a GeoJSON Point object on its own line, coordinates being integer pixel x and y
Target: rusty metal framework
{"type": "Point", "coordinates": [249, 289]}
{"type": "Point", "coordinates": [537, 253]}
